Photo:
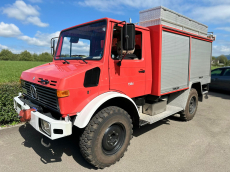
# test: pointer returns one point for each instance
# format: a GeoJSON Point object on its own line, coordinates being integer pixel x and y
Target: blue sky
{"type": "Point", "coordinates": [29, 24]}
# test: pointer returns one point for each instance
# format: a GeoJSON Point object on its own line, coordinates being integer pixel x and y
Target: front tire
{"type": "Point", "coordinates": [106, 137]}
{"type": "Point", "coordinates": [191, 106]}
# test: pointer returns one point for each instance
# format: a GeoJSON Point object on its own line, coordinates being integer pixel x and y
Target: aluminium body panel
{"type": "Point", "coordinates": [161, 15]}
{"type": "Point", "coordinates": [174, 62]}
{"type": "Point", "coordinates": [201, 53]}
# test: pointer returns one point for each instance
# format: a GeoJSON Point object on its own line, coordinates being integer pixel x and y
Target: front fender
{"type": "Point", "coordinates": [83, 117]}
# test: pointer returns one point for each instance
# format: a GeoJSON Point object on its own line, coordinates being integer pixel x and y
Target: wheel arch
{"type": "Point", "coordinates": [198, 88]}
{"type": "Point", "coordinates": [105, 100]}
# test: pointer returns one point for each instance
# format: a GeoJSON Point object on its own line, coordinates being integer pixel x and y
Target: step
{"type": "Point", "coordinates": [170, 110]}
{"type": "Point", "coordinates": [142, 122]}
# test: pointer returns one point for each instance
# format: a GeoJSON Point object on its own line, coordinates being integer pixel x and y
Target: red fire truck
{"type": "Point", "coordinates": [108, 76]}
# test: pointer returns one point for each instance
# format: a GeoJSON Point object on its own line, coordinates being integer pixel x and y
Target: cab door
{"type": "Point", "coordinates": [129, 78]}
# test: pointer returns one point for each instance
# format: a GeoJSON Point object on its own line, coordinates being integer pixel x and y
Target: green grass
{"type": "Point", "coordinates": [10, 71]}
{"type": "Point", "coordinates": [214, 67]}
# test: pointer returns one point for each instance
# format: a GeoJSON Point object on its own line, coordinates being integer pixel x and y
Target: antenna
{"type": "Point", "coordinates": [130, 20]}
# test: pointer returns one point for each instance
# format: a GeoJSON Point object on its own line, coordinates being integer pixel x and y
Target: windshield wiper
{"type": "Point", "coordinates": [84, 60]}
{"type": "Point", "coordinates": [65, 61]}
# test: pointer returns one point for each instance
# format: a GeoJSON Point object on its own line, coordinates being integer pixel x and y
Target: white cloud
{"type": "Point", "coordinates": [40, 39]}
{"type": "Point", "coordinates": [215, 2]}
{"type": "Point", "coordinates": [117, 6]}
{"type": "Point", "coordinates": [80, 48]}
{"type": "Point", "coordinates": [11, 49]}
{"type": "Point", "coordinates": [224, 28]}
{"type": "Point", "coordinates": [220, 49]}
{"type": "Point", "coordinates": [212, 14]}
{"type": "Point", "coordinates": [9, 30]}
{"type": "Point", "coordinates": [24, 12]}
{"type": "Point", "coordinates": [3, 47]}
{"type": "Point", "coordinates": [36, 21]}
{"type": "Point", "coordinates": [35, 1]}
{"type": "Point", "coordinates": [20, 10]}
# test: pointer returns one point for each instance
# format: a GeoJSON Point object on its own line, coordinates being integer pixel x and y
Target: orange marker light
{"type": "Point", "coordinates": [64, 93]}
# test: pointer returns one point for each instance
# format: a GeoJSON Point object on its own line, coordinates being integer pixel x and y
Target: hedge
{"type": "Point", "coordinates": [25, 56]}
{"type": "Point", "coordinates": [7, 92]}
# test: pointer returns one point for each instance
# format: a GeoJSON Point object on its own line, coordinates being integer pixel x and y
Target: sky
{"type": "Point", "coordinates": [30, 24]}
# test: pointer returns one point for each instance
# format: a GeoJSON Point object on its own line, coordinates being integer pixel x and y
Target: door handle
{"type": "Point", "coordinates": [141, 71]}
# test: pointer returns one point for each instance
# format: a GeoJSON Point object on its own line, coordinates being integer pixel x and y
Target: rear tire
{"type": "Point", "coordinates": [106, 137]}
{"type": "Point", "coordinates": [191, 106]}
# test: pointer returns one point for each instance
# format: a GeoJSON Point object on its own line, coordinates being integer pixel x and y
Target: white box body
{"type": "Point", "coordinates": [161, 15]}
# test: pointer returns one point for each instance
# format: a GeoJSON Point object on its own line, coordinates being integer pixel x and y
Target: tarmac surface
{"type": "Point", "coordinates": [202, 144]}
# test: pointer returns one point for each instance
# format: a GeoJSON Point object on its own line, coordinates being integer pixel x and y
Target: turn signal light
{"type": "Point", "coordinates": [64, 93]}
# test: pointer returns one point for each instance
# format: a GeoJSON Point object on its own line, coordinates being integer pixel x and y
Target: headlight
{"type": "Point", "coordinates": [46, 127]}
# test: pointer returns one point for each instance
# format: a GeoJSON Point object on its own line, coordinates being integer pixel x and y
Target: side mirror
{"type": "Point", "coordinates": [52, 41]}
{"type": "Point", "coordinates": [128, 38]}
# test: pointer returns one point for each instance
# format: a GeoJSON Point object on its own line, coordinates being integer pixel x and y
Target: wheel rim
{"type": "Point", "coordinates": [192, 105]}
{"type": "Point", "coordinates": [113, 138]}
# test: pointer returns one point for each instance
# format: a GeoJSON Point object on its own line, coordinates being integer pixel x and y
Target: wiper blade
{"type": "Point", "coordinates": [84, 60]}
{"type": "Point", "coordinates": [65, 61]}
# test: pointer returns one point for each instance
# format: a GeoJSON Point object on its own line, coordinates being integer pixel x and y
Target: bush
{"type": "Point", "coordinates": [15, 57]}
{"type": "Point", "coordinates": [35, 57]}
{"type": "Point", "coordinates": [25, 56]}
{"type": "Point", "coordinates": [7, 93]}
{"type": "Point", "coordinates": [45, 57]}
{"type": "Point", "coordinates": [6, 55]}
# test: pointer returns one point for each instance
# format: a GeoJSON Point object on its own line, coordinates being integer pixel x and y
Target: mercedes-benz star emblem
{"type": "Point", "coordinates": [33, 92]}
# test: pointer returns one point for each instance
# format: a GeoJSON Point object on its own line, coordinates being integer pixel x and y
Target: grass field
{"type": "Point", "coordinates": [214, 67]}
{"type": "Point", "coordinates": [10, 71]}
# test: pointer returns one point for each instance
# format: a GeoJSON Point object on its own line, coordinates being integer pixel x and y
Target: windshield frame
{"type": "Point", "coordinates": [82, 25]}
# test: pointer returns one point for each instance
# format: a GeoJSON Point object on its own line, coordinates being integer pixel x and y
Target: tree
{"type": "Point", "coordinates": [222, 59]}
{"type": "Point", "coordinates": [213, 58]}
{"type": "Point", "coordinates": [35, 57]}
{"type": "Point", "coordinates": [6, 54]}
{"type": "Point", "coordinates": [25, 56]}
{"type": "Point", "coordinates": [228, 63]}
{"type": "Point", "coordinates": [45, 57]}
{"type": "Point", "coordinates": [15, 57]}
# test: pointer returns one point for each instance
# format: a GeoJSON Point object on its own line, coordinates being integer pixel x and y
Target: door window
{"type": "Point", "coordinates": [216, 72]}
{"type": "Point", "coordinates": [117, 52]}
{"type": "Point", "coordinates": [227, 72]}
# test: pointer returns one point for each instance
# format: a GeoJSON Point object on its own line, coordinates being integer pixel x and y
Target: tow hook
{"type": "Point", "coordinates": [206, 96]}
{"type": "Point", "coordinates": [45, 142]}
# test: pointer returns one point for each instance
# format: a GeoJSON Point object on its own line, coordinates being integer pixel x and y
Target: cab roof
{"type": "Point", "coordinates": [108, 20]}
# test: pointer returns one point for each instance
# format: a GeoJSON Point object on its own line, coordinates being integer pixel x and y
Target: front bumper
{"type": "Point", "coordinates": [60, 125]}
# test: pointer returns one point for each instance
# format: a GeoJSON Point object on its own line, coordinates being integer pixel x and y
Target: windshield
{"type": "Point", "coordinates": [84, 42]}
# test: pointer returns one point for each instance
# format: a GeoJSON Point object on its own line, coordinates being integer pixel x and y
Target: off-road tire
{"type": "Point", "coordinates": [186, 115]}
{"type": "Point", "coordinates": [92, 139]}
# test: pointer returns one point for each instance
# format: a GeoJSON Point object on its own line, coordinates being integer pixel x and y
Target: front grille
{"type": "Point", "coordinates": [46, 96]}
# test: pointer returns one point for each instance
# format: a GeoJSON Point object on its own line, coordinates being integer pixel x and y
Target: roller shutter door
{"type": "Point", "coordinates": [200, 59]}
{"type": "Point", "coordinates": [175, 62]}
